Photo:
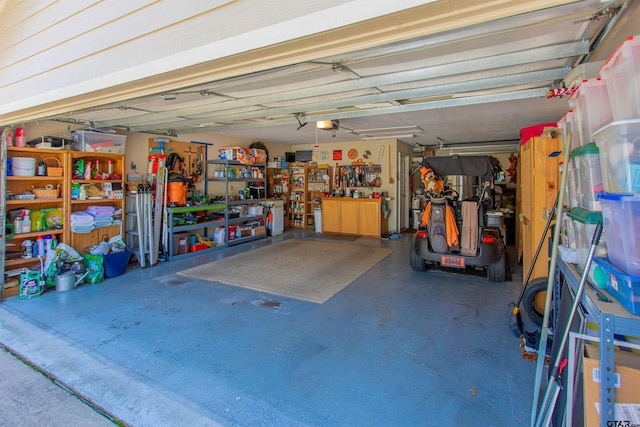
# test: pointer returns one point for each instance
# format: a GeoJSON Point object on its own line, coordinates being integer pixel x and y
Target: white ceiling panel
{"type": "Point", "coordinates": [474, 84]}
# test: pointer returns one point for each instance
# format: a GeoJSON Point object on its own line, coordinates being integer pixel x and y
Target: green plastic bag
{"type": "Point", "coordinates": [94, 265]}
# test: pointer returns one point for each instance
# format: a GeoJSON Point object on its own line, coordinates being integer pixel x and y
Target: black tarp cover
{"type": "Point", "coordinates": [460, 165]}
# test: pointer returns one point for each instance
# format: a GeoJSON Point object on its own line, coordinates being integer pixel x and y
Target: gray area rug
{"type": "Point", "coordinates": [308, 270]}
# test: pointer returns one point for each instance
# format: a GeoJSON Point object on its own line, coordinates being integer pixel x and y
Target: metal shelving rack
{"type": "Point", "coordinates": [172, 229]}
{"type": "Point", "coordinates": [612, 319]}
{"type": "Point", "coordinates": [247, 182]}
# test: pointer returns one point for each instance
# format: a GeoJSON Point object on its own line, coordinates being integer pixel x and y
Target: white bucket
{"type": "Point", "coordinates": [23, 166]}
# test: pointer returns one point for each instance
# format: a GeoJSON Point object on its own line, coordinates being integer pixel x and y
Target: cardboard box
{"type": "Point", "coordinates": [257, 231]}
{"type": "Point", "coordinates": [181, 243]}
{"type": "Point", "coordinates": [627, 382]}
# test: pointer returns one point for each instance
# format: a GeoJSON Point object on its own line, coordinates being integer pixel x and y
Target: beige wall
{"type": "Point", "coordinates": [383, 152]}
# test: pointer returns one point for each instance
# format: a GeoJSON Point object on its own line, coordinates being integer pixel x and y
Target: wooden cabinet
{"type": "Point", "coordinates": [360, 217]}
{"type": "Point", "coordinates": [330, 216]}
{"type": "Point", "coordinates": [349, 216]}
{"type": "Point", "coordinates": [370, 218]}
{"type": "Point", "coordinates": [108, 180]}
{"type": "Point", "coordinates": [538, 186]}
{"type": "Point", "coordinates": [48, 208]}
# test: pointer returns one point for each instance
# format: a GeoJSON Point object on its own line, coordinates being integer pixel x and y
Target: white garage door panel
{"type": "Point", "coordinates": [76, 47]}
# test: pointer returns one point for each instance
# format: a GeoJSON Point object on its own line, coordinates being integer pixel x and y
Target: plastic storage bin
{"type": "Point", "coordinates": [591, 109]}
{"type": "Point", "coordinates": [98, 142]}
{"type": "Point", "coordinates": [566, 124]}
{"type": "Point", "coordinates": [588, 176]}
{"type": "Point", "coordinates": [621, 74]}
{"type": "Point", "coordinates": [624, 287]}
{"type": "Point", "coordinates": [619, 144]}
{"type": "Point", "coordinates": [571, 186]}
{"type": "Point", "coordinates": [584, 225]}
{"type": "Point", "coordinates": [621, 220]}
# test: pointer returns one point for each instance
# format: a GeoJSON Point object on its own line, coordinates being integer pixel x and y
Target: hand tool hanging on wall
{"type": "Point", "coordinates": [189, 165]}
{"type": "Point", "coordinates": [199, 161]}
{"type": "Point", "coordinates": [162, 146]}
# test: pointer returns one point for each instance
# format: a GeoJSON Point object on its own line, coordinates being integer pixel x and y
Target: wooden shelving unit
{"type": "Point", "coordinates": [318, 186]}
{"type": "Point", "coordinates": [278, 187]}
{"type": "Point", "coordinates": [80, 241]}
{"type": "Point", "coordinates": [19, 184]}
{"type": "Point", "coordinates": [297, 204]}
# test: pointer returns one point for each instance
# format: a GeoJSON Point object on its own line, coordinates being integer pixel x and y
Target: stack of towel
{"type": "Point", "coordinates": [81, 222]}
{"type": "Point", "coordinates": [103, 215]}
{"type": "Point", "coordinates": [95, 217]}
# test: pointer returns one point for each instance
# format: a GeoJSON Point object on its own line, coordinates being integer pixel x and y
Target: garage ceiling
{"type": "Point", "coordinates": [478, 84]}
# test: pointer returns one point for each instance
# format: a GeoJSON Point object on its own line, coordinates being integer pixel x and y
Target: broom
{"type": "Point", "coordinates": [515, 318]}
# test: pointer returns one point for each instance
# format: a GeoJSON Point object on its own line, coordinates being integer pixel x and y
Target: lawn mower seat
{"type": "Point", "coordinates": [440, 220]}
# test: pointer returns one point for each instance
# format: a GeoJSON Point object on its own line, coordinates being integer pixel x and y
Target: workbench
{"type": "Point", "coordinates": [354, 216]}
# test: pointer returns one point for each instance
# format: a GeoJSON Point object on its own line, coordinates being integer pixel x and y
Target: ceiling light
{"type": "Point", "coordinates": [389, 129]}
{"type": "Point", "coordinates": [168, 96]}
{"type": "Point", "coordinates": [328, 124]}
{"type": "Point", "coordinates": [480, 146]}
{"type": "Point", "coordinates": [400, 136]}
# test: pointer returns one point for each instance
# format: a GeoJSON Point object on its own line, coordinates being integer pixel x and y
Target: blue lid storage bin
{"type": "Point", "coordinates": [621, 286]}
{"type": "Point", "coordinates": [621, 220]}
{"type": "Point", "coordinates": [619, 144]}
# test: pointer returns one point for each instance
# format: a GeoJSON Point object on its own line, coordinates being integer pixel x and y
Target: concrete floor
{"type": "Point", "coordinates": [395, 347]}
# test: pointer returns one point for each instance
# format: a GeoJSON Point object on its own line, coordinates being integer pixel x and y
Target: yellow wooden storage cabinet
{"type": "Point", "coordinates": [538, 186]}
{"type": "Point", "coordinates": [360, 217]}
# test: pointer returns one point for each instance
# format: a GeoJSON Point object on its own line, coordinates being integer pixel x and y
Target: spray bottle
{"type": "Point", "coordinates": [26, 221]}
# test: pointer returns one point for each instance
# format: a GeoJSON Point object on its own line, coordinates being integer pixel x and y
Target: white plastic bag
{"type": "Point", "coordinates": [218, 236]}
